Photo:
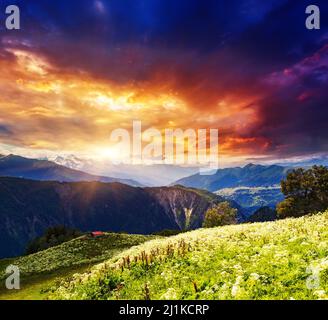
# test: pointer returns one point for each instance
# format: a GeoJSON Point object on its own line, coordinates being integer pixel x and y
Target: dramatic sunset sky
{"type": "Point", "coordinates": [80, 68]}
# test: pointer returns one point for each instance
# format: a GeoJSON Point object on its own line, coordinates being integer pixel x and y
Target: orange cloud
{"type": "Point", "coordinates": [51, 109]}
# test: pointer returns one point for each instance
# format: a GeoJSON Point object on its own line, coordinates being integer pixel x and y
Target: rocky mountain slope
{"type": "Point", "coordinates": [187, 206]}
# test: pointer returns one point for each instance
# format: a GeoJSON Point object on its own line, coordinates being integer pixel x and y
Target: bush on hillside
{"type": "Point", "coordinates": [220, 215]}
{"type": "Point", "coordinates": [306, 191]}
{"type": "Point", "coordinates": [52, 237]}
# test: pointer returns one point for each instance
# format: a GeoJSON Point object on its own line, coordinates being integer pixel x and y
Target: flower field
{"type": "Point", "coordinates": [59, 262]}
{"type": "Point", "coordinates": [285, 259]}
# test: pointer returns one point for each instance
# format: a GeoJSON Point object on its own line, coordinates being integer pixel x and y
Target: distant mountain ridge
{"type": "Point", "coordinates": [20, 167]}
{"type": "Point", "coordinates": [249, 176]}
{"type": "Point", "coordinates": [149, 175]}
{"type": "Point", "coordinates": [252, 187]}
{"type": "Point", "coordinates": [28, 207]}
{"type": "Point", "coordinates": [307, 162]}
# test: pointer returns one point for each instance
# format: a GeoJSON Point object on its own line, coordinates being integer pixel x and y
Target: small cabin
{"type": "Point", "coordinates": [96, 234]}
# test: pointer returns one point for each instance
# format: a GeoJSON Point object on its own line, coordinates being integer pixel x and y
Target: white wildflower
{"type": "Point", "coordinates": [235, 287]}
{"type": "Point", "coordinates": [254, 276]}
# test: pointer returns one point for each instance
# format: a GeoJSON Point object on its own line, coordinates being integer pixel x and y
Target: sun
{"type": "Point", "coordinates": [107, 153]}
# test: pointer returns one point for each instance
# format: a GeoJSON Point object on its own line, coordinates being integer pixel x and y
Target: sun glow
{"type": "Point", "coordinates": [107, 153]}
{"type": "Point", "coordinates": [109, 101]}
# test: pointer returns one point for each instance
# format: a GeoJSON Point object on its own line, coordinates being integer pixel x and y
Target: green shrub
{"type": "Point", "coordinates": [220, 215]}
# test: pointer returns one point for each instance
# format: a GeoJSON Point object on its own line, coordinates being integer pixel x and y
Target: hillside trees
{"type": "Point", "coordinates": [53, 236]}
{"type": "Point", "coordinates": [306, 191]}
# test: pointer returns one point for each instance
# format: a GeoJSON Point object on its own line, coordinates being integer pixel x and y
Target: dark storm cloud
{"type": "Point", "coordinates": [294, 115]}
{"type": "Point", "coordinates": [258, 36]}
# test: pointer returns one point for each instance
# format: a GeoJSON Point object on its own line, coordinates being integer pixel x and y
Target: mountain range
{"type": "Point", "coordinates": [20, 167]}
{"type": "Point", "coordinates": [28, 207]}
{"type": "Point", "coordinates": [249, 176]}
{"type": "Point", "coordinates": [149, 175]}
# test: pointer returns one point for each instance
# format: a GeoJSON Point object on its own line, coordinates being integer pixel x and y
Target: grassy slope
{"type": "Point", "coordinates": [271, 260]}
{"type": "Point", "coordinates": [43, 269]}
